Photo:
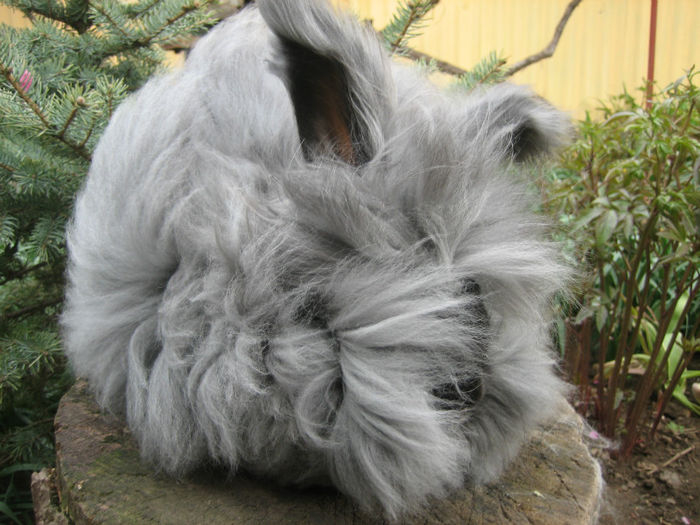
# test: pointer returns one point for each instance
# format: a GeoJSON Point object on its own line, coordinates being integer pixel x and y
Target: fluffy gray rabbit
{"type": "Point", "coordinates": [296, 258]}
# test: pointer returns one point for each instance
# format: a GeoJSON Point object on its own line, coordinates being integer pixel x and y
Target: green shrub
{"type": "Point", "coordinates": [628, 194]}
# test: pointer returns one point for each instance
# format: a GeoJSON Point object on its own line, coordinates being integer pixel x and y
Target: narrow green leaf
{"type": "Point", "coordinates": [605, 228]}
{"type": "Point", "coordinates": [680, 396]}
{"type": "Point", "coordinates": [587, 217]}
{"type": "Point", "coordinates": [601, 316]}
{"type": "Point", "coordinates": [21, 467]}
{"type": "Point", "coordinates": [7, 511]}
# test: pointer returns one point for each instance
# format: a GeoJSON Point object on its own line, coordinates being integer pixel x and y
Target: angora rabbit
{"type": "Point", "coordinates": [296, 258]}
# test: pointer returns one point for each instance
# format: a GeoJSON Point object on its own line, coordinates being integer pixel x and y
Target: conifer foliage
{"type": "Point", "coordinates": [408, 20]}
{"type": "Point", "coordinates": [61, 79]}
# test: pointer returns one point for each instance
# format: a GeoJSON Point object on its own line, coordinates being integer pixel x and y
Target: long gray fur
{"type": "Point", "coordinates": [255, 297]}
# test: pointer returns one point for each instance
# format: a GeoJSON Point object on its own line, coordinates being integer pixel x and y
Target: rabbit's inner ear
{"type": "Point", "coordinates": [320, 95]}
{"type": "Point", "coordinates": [528, 142]}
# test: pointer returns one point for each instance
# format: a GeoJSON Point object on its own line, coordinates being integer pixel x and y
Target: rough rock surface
{"type": "Point", "coordinates": [43, 494]}
{"type": "Point", "coordinates": [102, 480]}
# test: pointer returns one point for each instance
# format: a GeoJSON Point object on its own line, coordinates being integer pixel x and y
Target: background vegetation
{"type": "Point", "coordinates": [625, 194]}
{"type": "Point", "coordinates": [628, 194]}
{"type": "Point", "coordinates": [60, 81]}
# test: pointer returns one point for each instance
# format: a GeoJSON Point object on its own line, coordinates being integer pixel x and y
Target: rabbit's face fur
{"type": "Point", "coordinates": [297, 258]}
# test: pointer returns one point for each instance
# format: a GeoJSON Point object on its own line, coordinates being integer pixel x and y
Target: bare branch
{"type": "Point", "coordinates": [30, 309]}
{"type": "Point", "coordinates": [549, 50]}
{"type": "Point", "coordinates": [18, 274]}
{"type": "Point", "coordinates": [674, 458]}
{"type": "Point", "coordinates": [441, 65]}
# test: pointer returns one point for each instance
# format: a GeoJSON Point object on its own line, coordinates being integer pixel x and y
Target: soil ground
{"type": "Point", "coordinates": [660, 483]}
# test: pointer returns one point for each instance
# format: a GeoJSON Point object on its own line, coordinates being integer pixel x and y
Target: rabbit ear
{"type": "Point", "coordinates": [337, 76]}
{"type": "Point", "coordinates": [320, 94]}
{"type": "Point", "coordinates": [513, 119]}
{"type": "Point", "coordinates": [540, 130]}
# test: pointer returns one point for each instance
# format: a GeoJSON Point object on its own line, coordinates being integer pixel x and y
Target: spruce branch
{"type": "Point", "coordinates": [493, 71]}
{"type": "Point", "coordinates": [87, 57]}
{"type": "Point", "coordinates": [110, 110]}
{"type": "Point", "coordinates": [79, 102]}
{"type": "Point", "coordinates": [30, 309]}
{"type": "Point", "coordinates": [489, 71]}
{"type": "Point", "coordinates": [90, 130]}
{"type": "Point", "coordinates": [143, 10]}
{"type": "Point", "coordinates": [100, 9]}
{"type": "Point", "coordinates": [6, 71]}
{"type": "Point", "coordinates": [132, 41]}
{"type": "Point", "coordinates": [58, 12]}
{"type": "Point", "coordinates": [18, 274]}
{"type": "Point", "coordinates": [407, 21]}
{"type": "Point", "coordinates": [168, 23]}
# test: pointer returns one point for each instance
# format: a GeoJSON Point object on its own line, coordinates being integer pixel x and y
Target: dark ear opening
{"type": "Point", "coordinates": [521, 124]}
{"type": "Point", "coordinates": [318, 86]}
{"type": "Point", "coordinates": [527, 142]}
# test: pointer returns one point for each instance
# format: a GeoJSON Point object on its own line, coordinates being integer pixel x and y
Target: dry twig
{"type": "Point", "coordinates": [549, 50]}
{"type": "Point", "coordinates": [674, 458]}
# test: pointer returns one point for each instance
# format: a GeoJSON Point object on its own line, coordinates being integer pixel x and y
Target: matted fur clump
{"type": "Point", "coordinates": [296, 258]}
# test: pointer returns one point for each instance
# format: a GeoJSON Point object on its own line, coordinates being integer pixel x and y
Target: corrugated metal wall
{"type": "Point", "coordinates": [604, 45]}
{"type": "Point", "coordinates": [12, 17]}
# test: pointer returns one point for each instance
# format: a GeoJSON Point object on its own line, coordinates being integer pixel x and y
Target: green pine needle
{"type": "Point", "coordinates": [408, 21]}
{"type": "Point", "coordinates": [61, 79]}
{"type": "Point", "coordinates": [490, 70]}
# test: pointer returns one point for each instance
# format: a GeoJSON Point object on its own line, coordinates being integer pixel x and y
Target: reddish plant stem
{"type": "Point", "coordinates": [668, 392]}
{"type": "Point", "coordinates": [623, 348]}
{"type": "Point", "coordinates": [584, 346]}
{"type": "Point", "coordinates": [651, 375]}
{"type": "Point", "coordinates": [651, 55]}
{"type": "Point", "coordinates": [641, 309]}
{"type": "Point", "coordinates": [664, 284]}
{"type": "Point", "coordinates": [601, 404]}
{"type": "Point", "coordinates": [677, 328]}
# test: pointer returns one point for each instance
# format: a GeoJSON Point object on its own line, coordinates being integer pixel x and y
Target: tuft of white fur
{"type": "Point", "coordinates": [302, 318]}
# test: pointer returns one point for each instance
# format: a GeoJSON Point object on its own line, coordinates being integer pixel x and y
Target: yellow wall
{"type": "Point", "coordinates": [604, 45]}
{"type": "Point", "coordinates": [12, 17]}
